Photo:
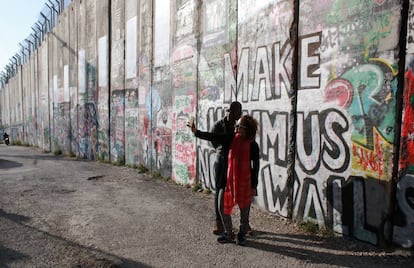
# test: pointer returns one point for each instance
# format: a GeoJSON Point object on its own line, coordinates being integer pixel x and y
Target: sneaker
{"type": "Point", "coordinates": [226, 238]}
{"type": "Point", "coordinates": [241, 239]}
{"type": "Point", "coordinates": [218, 227]}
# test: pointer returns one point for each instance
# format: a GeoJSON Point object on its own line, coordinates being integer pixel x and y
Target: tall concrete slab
{"type": "Point", "coordinates": [26, 99]}
{"type": "Point", "coordinates": [117, 89]}
{"type": "Point", "coordinates": [403, 232]}
{"type": "Point", "coordinates": [73, 15]}
{"type": "Point", "coordinates": [103, 34]}
{"type": "Point", "coordinates": [345, 133]}
{"type": "Point", "coordinates": [43, 109]}
{"type": "Point", "coordinates": [62, 109]}
{"type": "Point", "coordinates": [131, 82]}
{"type": "Point", "coordinates": [145, 48]}
{"type": "Point", "coordinates": [184, 59]}
{"type": "Point", "coordinates": [87, 83]}
{"type": "Point", "coordinates": [35, 96]}
{"type": "Point", "coordinates": [54, 87]}
{"type": "Point", "coordinates": [161, 90]}
{"type": "Point", "coordinates": [217, 38]}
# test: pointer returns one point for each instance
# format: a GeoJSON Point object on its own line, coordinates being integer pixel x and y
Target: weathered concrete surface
{"type": "Point", "coordinates": [59, 212]}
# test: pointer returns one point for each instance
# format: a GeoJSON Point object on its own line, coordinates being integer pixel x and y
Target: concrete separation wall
{"type": "Point", "coordinates": [330, 83]}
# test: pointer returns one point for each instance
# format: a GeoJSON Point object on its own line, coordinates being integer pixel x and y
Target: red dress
{"type": "Point", "coordinates": [238, 188]}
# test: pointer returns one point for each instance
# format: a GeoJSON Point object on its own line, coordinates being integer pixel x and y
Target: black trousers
{"type": "Point", "coordinates": [220, 177]}
{"type": "Point", "coordinates": [227, 221]}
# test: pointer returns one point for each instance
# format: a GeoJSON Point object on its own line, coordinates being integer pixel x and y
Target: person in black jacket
{"type": "Point", "coordinates": [223, 126]}
{"type": "Point", "coordinates": [242, 174]}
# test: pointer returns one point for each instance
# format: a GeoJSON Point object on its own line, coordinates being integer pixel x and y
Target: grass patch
{"type": "Point", "coordinates": [197, 187]}
{"type": "Point", "coordinates": [119, 163]}
{"type": "Point", "coordinates": [17, 142]}
{"type": "Point", "coordinates": [207, 191]}
{"type": "Point", "coordinates": [102, 159]}
{"type": "Point", "coordinates": [157, 175]}
{"type": "Point", "coordinates": [328, 233]}
{"type": "Point", "coordinates": [134, 166]}
{"type": "Point", "coordinates": [57, 152]}
{"type": "Point", "coordinates": [309, 227]}
{"type": "Point", "coordinates": [142, 169]}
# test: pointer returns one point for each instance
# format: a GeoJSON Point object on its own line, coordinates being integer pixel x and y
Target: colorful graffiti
{"type": "Point", "coordinates": [403, 220]}
{"type": "Point", "coordinates": [183, 144]}
{"type": "Point", "coordinates": [88, 126]}
{"type": "Point", "coordinates": [367, 92]}
{"type": "Point", "coordinates": [131, 126]}
{"type": "Point", "coordinates": [404, 214]}
{"type": "Point", "coordinates": [117, 126]}
{"type": "Point", "coordinates": [407, 129]}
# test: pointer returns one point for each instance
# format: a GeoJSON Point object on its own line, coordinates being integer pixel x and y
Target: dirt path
{"type": "Point", "coordinates": [59, 212]}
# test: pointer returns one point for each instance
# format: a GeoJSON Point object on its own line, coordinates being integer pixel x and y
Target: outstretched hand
{"type": "Point", "coordinates": [192, 126]}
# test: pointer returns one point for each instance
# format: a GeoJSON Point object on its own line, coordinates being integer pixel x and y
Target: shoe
{"type": "Point", "coordinates": [218, 227]}
{"type": "Point", "coordinates": [226, 238]}
{"type": "Point", "coordinates": [241, 239]}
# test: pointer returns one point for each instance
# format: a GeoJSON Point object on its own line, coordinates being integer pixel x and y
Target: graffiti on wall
{"type": "Point", "coordinates": [403, 232]}
{"type": "Point", "coordinates": [103, 123]}
{"type": "Point", "coordinates": [102, 100]}
{"type": "Point", "coordinates": [327, 147]}
{"type": "Point", "coordinates": [62, 131]}
{"type": "Point", "coordinates": [117, 126]}
{"type": "Point", "coordinates": [406, 164]}
{"type": "Point", "coordinates": [183, 145]}
{"type": "Point", "coordinates": [131, 126]}
{"type": "Point", "coordinates": [367, 91]}
{"type": "Point", "coordinates": [74, 120]}
{"type": "Point", "coordinates": [183, 107]}
{"type": "Point", "coordinates": [86, 109]}
{"type": "Point", "coordinates": [88, 126]}
{"type": "Point", "coordinates": [403, 219]}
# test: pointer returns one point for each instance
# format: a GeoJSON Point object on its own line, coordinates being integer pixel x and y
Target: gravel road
{"type": "Point", "coordinates": [57, 211]}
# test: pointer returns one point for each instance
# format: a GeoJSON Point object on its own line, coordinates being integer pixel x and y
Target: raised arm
{"type": "Point", "coordinates": [217, 138]}
{"type": "Point", "coordinates": [214, 137]}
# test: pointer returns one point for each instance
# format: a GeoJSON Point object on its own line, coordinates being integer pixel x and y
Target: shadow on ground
{"type": "Point", "coordinates": [6, 164]}
{"type": "Point", "coordinates": [43, 157]}
{"type": "Point", "coordinates": [298, 247]}
{"type": "Point", "coordinates": [85, 256]}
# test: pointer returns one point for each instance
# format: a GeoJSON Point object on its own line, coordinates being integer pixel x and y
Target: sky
{"type": "Point", "coordinates": [16, 19]}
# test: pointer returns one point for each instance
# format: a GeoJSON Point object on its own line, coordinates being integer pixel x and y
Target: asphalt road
{"type": "Point", "coordinates": [57, 211]}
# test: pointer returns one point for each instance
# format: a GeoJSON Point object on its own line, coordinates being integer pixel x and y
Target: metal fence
{"type": "Point", "coordinates": [46, 21]}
